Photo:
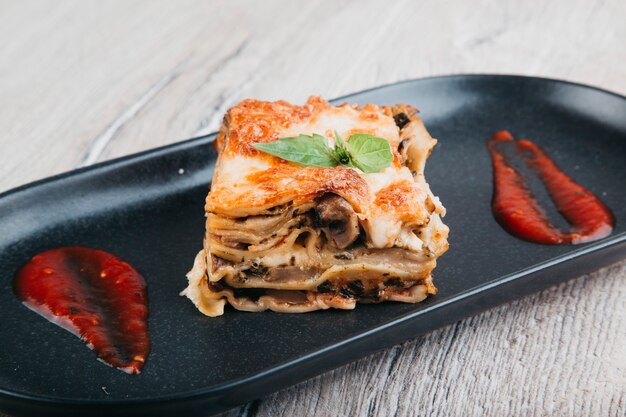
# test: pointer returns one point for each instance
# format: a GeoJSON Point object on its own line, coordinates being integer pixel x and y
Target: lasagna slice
{"type": "Point", "coordinates": [294, 238]}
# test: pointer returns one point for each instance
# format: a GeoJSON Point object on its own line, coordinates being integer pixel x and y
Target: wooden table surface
{"type": "Point", "coordinates": [86, 81]}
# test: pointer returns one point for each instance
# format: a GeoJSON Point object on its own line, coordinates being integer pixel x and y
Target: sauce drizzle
{"type": "Point", "coordinates": [519, 213]}
{"type": "Point", "coordinates": [94, 295]}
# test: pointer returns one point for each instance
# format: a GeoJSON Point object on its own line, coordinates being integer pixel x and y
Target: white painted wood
{"type": "Point", "coordinates": [85, 81]}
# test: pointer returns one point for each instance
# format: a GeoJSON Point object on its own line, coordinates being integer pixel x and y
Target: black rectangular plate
{"type": "Point", "coordinates": [143, 210]}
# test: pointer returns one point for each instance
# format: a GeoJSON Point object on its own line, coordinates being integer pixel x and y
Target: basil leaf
{"type": "Point", "coordinates": [341, 153]}
{"type": "Point", "coordinates": [306, 150]}
{"type": "Point", "coordinates": [339, 143]}
{"type": "Point", "coordinates": [369, 153]}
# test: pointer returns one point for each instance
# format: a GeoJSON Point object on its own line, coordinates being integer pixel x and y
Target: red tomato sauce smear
{"type": "Point", "coordinates": [519, 213]}
{"type": "Point", "coordinates": [96, 296]}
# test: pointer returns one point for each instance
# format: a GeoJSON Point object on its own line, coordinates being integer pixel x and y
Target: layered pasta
{"type": "Point", "coordinates": [291, 238]}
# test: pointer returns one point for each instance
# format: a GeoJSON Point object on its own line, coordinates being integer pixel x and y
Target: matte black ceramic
{"type": "Point", "coordinates": [142, 209]}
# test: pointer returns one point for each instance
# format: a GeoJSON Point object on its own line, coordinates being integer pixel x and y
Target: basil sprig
{"type": "Point", "coordinates": [368, 153]}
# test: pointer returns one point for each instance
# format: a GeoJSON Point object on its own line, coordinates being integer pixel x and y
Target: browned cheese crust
{"type": "Point", "coordinates": [291, 238]}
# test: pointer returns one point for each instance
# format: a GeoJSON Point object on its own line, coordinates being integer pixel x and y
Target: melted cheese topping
{"type": "Point", "coordinates": [249, 182]}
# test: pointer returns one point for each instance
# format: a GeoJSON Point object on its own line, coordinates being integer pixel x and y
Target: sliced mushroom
{"type": "Point", "coordinates": [337, 216]}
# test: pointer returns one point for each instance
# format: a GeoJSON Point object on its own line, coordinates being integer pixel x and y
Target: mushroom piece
{"type": "Point", "coordinates": [338, 218]}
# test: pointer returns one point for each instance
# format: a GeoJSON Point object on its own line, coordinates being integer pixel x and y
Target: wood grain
{"type": "Point", "coordinates": [86, 81]}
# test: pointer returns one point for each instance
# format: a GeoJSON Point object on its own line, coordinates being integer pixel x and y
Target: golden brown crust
{"type": "Point", "coordinates": [254, 121]}
{"type": "Point", "coordinates": [403, 199]}
{"type": "Point", "coordinates": [270, 181]}
{"type": "Point", "coordinates": [312, 182]}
